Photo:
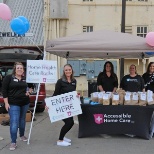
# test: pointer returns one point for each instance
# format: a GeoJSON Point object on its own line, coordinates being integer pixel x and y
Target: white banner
{"type": "Point", "coordinates": [63, 106]}
{"type": "Point", "coordinates": [41, 71]}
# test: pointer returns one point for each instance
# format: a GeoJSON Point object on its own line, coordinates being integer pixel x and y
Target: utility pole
{"type": "Point", "coordinates": [123, 31]}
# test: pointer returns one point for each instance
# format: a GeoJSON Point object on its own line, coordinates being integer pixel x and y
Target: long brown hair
{"type": "Point", "coordinates": [148, 68]}
{"type": "Point", "coordinates": [14, 67]}
{"type": "Point", "coordinates": [72, 75]}
{"type": "Point", "coordinates": [112, 69]}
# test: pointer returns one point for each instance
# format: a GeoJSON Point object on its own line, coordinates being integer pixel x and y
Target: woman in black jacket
{"type": "Point", "coordinates": [149, 85]}
{"type": "Point", "coordinates": [149, 77]}
{"type": "Point", "coordinates": [67, 83]}
{"type": "Point", "coordinates": [16, 99]}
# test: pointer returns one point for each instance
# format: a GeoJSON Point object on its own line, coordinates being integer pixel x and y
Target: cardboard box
{"type": "Point", "coordinates": [4, 117]}
{"type": "Point", "coordinates": [28, 116]}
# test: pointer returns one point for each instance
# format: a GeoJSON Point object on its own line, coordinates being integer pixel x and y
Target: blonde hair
{"type": "Point", "coordinates": [134, 66]}
{"type": "Point", "coordinates": [72, 75]}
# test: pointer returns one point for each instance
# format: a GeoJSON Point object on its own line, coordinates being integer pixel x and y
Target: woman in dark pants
{"type": "Point", "coordinates": [67, 83]}
{"type": "Point", "coordinates": [149, 85]}
{"type": "Point", "coordinates": [107, 81]}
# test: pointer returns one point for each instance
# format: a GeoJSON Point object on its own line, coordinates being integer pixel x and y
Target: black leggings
{"type": "Point", "coordinates": [68, 125]}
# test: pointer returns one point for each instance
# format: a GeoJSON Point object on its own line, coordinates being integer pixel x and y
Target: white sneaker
{"type": "Point", "coordinates": [63, 143]}
{"type": "Point", "coordinates": [13, 146]}
{"type": "Point", "coordinates": [23, 138]}
{"type": "Point", "coordinates": [1, 138]}
{"type": "Point", "coordinates": [130, 135]}
{"type": "Point", "coordinates": [67, 140]}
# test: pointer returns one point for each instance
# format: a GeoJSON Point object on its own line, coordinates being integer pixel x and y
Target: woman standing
{"type": "Point", "coordinates": [107, 80]}
{"type": "Point", "coordinates": [149, 85]}
{"type": "Point", "coordinates": [132, 82]}
{"type": "Point", "coordinates": [149, 77]}
{"type": "Point", "coordinates": [16, 100]}
{"type": "Point", "coordinates": [67, 83]}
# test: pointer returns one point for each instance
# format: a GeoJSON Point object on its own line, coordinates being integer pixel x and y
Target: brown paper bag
{"type": "Point", "coordinates": [106, 99]}
{"type": "Point", "coordinates": [134, 99]}
{"type": "Point", "coordinates": [150, 97]}
{"type": "Point", "coordinates": [94, 97]}
{"type": "Point", "coordinates": [100, 100]}
{"type": "Point", "coordinates": [100, 97]}
{"type": "Point", "coordinates": [115, 99]}
{"type": "Point", "coordinates": [121, 96]}
{"type": "Point", "coordinates": [142, 99]}
{"type": "Point", "coordinates": [127, 98]}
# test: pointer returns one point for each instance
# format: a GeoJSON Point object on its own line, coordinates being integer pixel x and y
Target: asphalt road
{"type": "Point", "coordinates": [44, 136]}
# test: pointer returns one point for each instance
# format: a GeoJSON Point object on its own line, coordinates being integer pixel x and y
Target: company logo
{"type": "Point", "coordinates": [132, 80]}
{"type": "Point", "coordinates": [115, 118]}
{"type": "Point", "coordinates": [69, 113]}
{"type": "Point", "coordinates": [99, 118]}
{"type": "Point", "coordinates": [44, 79]}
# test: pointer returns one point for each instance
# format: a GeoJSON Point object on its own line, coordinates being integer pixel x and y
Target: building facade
{"type": "Point", "coordinates": [52, 19]}
{"type": "Point", "coordinates": [80, 16]}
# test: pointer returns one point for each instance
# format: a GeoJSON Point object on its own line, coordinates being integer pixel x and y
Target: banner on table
{"type": "Point", "coordinates": [63, 106]}
{"type": "Point", "coordinates": [116, 119]}
{"type": "Point", "coordinates": [41, 71]}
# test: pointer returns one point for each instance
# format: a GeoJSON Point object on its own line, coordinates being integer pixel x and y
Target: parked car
{"type": "Point", "coordinates": [6, 67]}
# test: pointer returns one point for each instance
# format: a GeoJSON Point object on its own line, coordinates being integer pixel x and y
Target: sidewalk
{"type": "Point", "coordinates": [44, 136]}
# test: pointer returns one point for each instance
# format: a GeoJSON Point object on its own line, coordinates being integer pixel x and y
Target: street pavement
{"type": "Point", "coordinates": [44, 136]}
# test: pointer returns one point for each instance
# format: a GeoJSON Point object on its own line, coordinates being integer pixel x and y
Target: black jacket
{"type": "Point", "coordinates": [63, 86]}
{"type": "Point", "coordinates": [149, 81]}
{"type": "Point", "coordinates": [15, 90]}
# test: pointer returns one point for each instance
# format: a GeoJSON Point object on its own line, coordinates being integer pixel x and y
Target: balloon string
{"type": "Point", "coordinates": [35, 45]}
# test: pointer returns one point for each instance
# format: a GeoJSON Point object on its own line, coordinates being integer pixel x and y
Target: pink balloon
{"type": "Point", "coordinates": [150, 38]}
{"type": "Point", "coordinates": [5, 12]}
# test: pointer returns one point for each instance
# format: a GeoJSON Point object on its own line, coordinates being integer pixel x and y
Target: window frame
{"type": "Point", "coordinates": [142, 0]}
{"type": "Point", "coordinates": [88, 29]}
{"type": "Point", "coordinates": [142, 30]}
{"type": "Point", "coordinates": [87, 0]}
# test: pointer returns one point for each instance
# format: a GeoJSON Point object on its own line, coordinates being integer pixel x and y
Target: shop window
{"type": "Point", "coordinates": [139, 0]}
{"type": "Point", "coordinates": [87, 0]}
{"type": "Point", "coordinates": [143, 0]}
{"type": "Point", "coordinates": [142, 31]}
{"type": "Point", "coordinates": [87, 29]}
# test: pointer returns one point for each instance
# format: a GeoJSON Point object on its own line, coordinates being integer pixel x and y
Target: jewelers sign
{"type": "Point", "coordinates": [41, 71]}
{"type": "Point", "coordinates": [63, 106]}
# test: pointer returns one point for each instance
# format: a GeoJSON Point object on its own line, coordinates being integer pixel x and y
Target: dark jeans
{"type": "Point", "coordinates": [17, 119]}
{"type": "Point", "coordinates": [68, 125]}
